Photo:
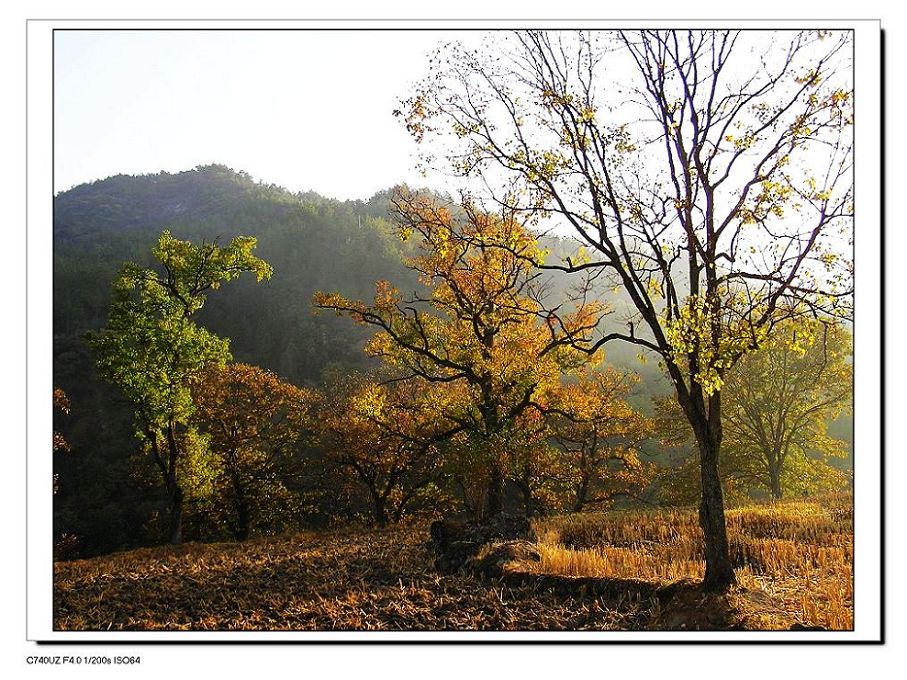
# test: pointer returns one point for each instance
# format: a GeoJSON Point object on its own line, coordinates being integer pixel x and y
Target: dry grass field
{"type": "Point", "coordinates": [367, 580]}
{"type": "Point", "coordinates": [798, 552]}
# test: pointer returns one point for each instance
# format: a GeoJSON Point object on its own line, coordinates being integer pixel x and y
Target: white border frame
{"type": "Point", "coordinates": [867, 335]}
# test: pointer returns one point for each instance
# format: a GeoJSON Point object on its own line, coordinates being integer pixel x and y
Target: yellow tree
{"type": "Point", "coordinates": [254, 424]}
{"type": "Point", "coordinates": [480, 327]}
{"type": "Point", "coordinates": [600, 433]}
{"type": "Point", "coordinates": [387, 437]}
{"type": "Point", "coordinates": [713, 189]}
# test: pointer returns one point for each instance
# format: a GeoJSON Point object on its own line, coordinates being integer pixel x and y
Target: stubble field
{"type": "Point", "coordinates": [598, 571]}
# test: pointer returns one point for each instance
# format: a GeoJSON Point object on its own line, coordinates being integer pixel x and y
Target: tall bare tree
{"type": "Point", "coordinates": [708, 174]}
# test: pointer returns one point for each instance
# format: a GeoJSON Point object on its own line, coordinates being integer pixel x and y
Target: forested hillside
{"type": "Point", "coordinates": [313, 243]}
{"type": "Point", "coordinates": [107, 496]}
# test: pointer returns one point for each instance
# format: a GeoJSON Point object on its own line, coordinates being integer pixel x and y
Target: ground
{"type": "Point", "coordinates": [598, 571]}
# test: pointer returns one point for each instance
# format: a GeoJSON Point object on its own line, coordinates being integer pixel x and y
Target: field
{"type": "Point", "coordinates": [799, 552]}
{"type": "Point", "coordinates": [598, 571]}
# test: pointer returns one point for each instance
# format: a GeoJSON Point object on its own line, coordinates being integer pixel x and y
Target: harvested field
{"type": "Point", "coordinates": [597, 572]}
{"type": "Point", "coordinates": [334, 581]}
{"type": "Point", "coordinates": [798, 552]}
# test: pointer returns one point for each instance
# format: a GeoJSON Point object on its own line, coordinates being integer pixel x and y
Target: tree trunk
{"type": "Point", "coordinates": [379, 507]}
{"type": "Point", "coordinates": [528, 506]}
{"type": "Point", "coordinates": [776, 490]}
{"type": "Point", "coordinates": [719, 572]}
{"type": "Point", "coordinates": [241, 503]}
{"type": "Point", "coordinates": [176, 515]}
{"type": "Point", "coordinates": [495, 501]}
{"type": "Point", "coordinates": [176, 491]}
{"type": "Point", "coordinates": [582, 490]}
{"type": "Point", "coordinates": [380, 515]}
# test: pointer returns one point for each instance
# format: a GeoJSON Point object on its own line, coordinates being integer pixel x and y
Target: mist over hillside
{"type": "Point", "coordinates": [313, 243]}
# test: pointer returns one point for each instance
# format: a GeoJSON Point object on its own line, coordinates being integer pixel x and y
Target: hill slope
{"type": "Point", "coordinates": [312, 242]}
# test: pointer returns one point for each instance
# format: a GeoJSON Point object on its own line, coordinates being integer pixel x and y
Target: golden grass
{"type": "Point", "coordinates": [800, 552]}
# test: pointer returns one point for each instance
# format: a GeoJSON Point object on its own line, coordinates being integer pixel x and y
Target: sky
{"type": "Point", "coordinates": [307, 110]}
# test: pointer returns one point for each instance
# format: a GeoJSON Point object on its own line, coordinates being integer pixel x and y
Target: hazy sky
{"type": "Point", "coordinates": [302, 109]}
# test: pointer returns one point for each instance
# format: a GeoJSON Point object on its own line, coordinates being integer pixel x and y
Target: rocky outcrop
{"type": "Point", "coordinates": [455, 543]}
{"type": "Point", "coordinates": [491, 560]}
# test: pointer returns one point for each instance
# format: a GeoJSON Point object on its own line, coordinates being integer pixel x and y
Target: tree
{"type": "Point", "coordinates": [61, 403]}
{"type": "Point", "coordinates": [712, 187]}
{"type": "Point", "coordinates": [254, 422]}
{"type": "Point", "coordinates": [387, 437]}
{"type": "Point", "coordinates": [600, 433]}
{"type": "Point", "coordinates": [480, 330]}
{"type": "Point", "coordinates": [152, 349]}
{"type": "Point", "coordinates": [778, 402]}
{"type": "Point", "coordinates": [533, 464]}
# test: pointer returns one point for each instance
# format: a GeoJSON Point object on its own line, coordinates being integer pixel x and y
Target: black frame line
{"type": "Point", "coordinates": [662, 641]}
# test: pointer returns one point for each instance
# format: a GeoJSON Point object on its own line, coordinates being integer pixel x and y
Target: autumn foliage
{"type": "Point", "coordinates": [480, 329]}
{"type": "Point", "coordinates": [387, 438]}
{"type": "Point", "coordinates": [601, 434]}
{"type": "Point", "coordinates": [254, 423]}
{"type": "Point", "coordinates": [710, 209]}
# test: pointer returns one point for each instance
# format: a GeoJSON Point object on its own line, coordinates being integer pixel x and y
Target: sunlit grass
{"type": "Point", "coordinates": [799, 551]}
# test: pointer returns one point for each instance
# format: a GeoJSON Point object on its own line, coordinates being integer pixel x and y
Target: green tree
{"type": "Point", "coordinates": [152, 348]}
{"type": "Point", "coordinates": [714, 191]}
{"type": "Point", "coordinates": [778, 403]}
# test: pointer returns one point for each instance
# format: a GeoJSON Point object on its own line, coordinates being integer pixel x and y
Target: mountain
{"type": "Point", "coordinates": [312, 242]}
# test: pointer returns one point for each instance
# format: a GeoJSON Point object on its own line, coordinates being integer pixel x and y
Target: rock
{"type": "Point", "coordinates": [490, 561]}
{"type": "Point", "coordinates": [803, 626]}
{"type": "Point", "coordinates": [455, 555]}
{"type": "Point", "coordinates": [454, 542]}
{"type": "Point", "coordinates": [446, 531]}
{"type": "Point", "coordinates": [500, 528]}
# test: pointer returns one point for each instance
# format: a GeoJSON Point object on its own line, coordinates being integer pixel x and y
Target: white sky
{"type": "Point", "coordinates": [301, 109]}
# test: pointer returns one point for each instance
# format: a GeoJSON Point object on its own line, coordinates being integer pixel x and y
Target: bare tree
{"type": "Point", "coordinates": [708, 174]}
